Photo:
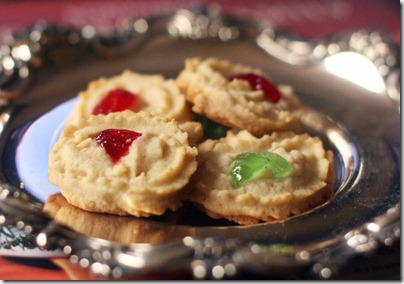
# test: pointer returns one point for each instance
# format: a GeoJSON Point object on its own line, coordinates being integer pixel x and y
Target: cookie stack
{"type": "Point", "coordinates": [220, 135]}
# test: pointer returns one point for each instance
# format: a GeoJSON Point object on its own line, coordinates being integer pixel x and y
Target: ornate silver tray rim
{"type": "Point", "coordinates": [208, 257]}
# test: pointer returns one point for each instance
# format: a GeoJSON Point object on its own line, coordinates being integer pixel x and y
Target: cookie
{"type": "Point", "coordinates": [135, 91]}
{"type": "Point", "coordinates": [132, 91]}
{"type": "Point", "coordinates": [247, 179]}
{"type": "Point", "coordinates": [195, 132]}
{"type": "Point", "coordinates": [239, 96]}
{"type": "Point", "coordinates": [123, 163]}
{"type": "Point", "coordinates": [123, 229]}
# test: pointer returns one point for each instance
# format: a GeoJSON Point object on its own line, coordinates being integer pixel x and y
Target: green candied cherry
{"type": "Point", "coordinates": [211, 129]}
{"type": "Point", "coordinates": [256, 166]}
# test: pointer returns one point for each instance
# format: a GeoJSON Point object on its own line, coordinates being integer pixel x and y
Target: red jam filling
{"type": "Point", "coordinates": [260, 83]}
{"type": "Point", "coordinates": [117, 100]}
{"type": "Point", "coordinates": [116, 142]}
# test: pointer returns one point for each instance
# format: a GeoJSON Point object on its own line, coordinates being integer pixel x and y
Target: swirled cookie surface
{"type": "Point", "coordinates": [234, 103]}
{"type": "Point", "coordinates": [153, 94]}
{"type": "Point", "coordinates": [310, 184]}
{"type": "Point", "coordinates": [146, 181]}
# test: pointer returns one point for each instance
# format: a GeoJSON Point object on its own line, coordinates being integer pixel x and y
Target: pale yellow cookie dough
{"type": "Point", "coordinates": [114, 228]}
{"type": "Point", "coordinates": [145, 182]}
{"type": "Point", "coordinates": [310, 184]}
{"type": "Point", "coordinates": [155, 95]}
{"type": "Point", "coordinates": [233, 103]}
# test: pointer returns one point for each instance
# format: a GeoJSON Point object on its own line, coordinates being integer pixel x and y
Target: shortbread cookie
{"type": "Point", "coordinates": [123, 163]}
{"type": "Point", "coordinates": [132, 91]}
{"type": "Point", "coordinates": [239, 96]}
{"type": "Point", "coordinates": [287, 174]}
{"type": "Point", "coordinates": [195, 132]}
{"type": "Point", "coordinates": [122, 229]}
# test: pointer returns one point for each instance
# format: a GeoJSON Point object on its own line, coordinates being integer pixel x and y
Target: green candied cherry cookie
{"type": "Point", "coordinates": [256, 166]}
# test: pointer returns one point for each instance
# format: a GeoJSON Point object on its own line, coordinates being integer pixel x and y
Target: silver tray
{"type": "Point", "coordinates": [43, 67]}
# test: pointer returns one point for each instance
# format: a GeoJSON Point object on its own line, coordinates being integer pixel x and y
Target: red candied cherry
{"type": "Point", "coordinates": [116, 142]}
{"type": "Point", "coordinates": [260, 83]}
{"type": "Point", "coordinates": [117, 100]}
